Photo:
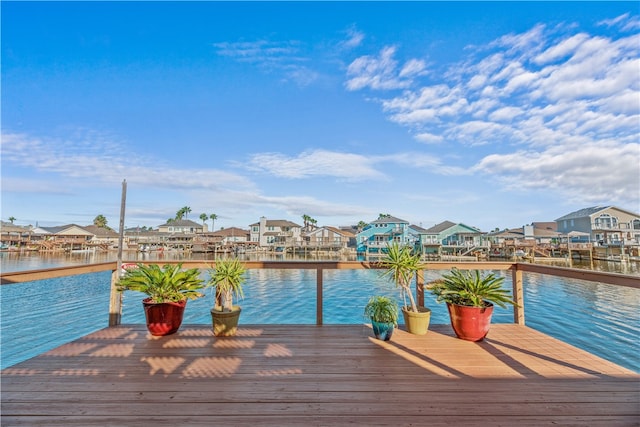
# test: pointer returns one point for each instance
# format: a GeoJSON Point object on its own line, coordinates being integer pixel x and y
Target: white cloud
{"type": "Point", "coordinates": [261, 51]}
{"type": "Point", "coordinates": [382, 72]}
{"type": "Point", "coordinates": [102, 164]}
{"type": "Point", "coordinates": [614, 21]}
{"type": "Point", "coordinates": [429, 138]}
{"type": "Point", "coordinates": [316, 163]}
{"type": "Point", "coordinates": [354, 38]}
{"type": "Point", "coordinates": [505, 114]}
{"type": "Point", "coordinates": [287, 57]}
{"type": "Point", "coordinates": [558, 94]}
{"type": "Point", "coordinates": [561, 50]}
{"type": "Point", "coordinates": [610, 171]}
{"type": "Point", "coordinates": [413, 67]}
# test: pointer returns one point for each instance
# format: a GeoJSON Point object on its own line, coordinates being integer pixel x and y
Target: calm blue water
{"type": "Point", "coordinates": [38, 316]}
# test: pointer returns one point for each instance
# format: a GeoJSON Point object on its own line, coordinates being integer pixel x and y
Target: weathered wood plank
{"type": "Point", "coordinates": [284, 420]}
{"type": "Point", "coordinates": [308, 375]}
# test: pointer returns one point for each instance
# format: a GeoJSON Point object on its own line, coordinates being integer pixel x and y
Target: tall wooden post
{"type": "Point", "coordinates": [420, 288]}
{"type": "Point", "coordinates": [115, 299]}
{"type": "Point", "coordinates": [518, 295]}
{"type": "Point", "coordinates": [319, 293]}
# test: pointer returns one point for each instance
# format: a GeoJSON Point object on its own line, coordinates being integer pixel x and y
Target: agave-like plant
{"type": "Point", "coordinates": [470, 288]}
{"type": "Point", "coordinates": [401, 265]}
{"type": "Point", "coordinates": [167, 284]}
{"type": "Point", "coordinates": [382, 309]}
{"type": "Point", "coordinates": [227, 278]}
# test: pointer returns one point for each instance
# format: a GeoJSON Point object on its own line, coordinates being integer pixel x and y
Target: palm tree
{"type": "Point", "coordinates": [100, 221]}
{"type": "Point", "coordinates": [305, 219]}
{"type": "Point", "coordinates": [204, 217]}
{"type": "Point", "coordinates": [11, 219]}
{"type": "Point", "coordinates": [213, 218]}
{"type": "Point", "coordinates": [361, 225]}
{"type": "Point", "coordinates": [183, 212]}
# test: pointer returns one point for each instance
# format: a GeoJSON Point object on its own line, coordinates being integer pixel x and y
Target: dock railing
{"type": "Point", "coordinates": [517, 270]}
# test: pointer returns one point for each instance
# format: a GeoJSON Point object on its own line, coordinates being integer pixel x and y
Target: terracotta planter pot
{"type": "Point", "coordinates": [417, 323]}
{"type": "Point", "coordinates": [163, 318]}
{"type": "Point", "coordinates": [470, 323]}
{"type": "Point", "coordinates": [225, 323]}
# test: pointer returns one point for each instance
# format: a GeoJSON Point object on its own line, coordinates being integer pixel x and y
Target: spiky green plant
{"type": "Point", "coordinates": [470, 288]}
{"type": "Point", "coordinates": [167, 284]}
{"type": "Point", "coordinates": [382, 309]}
{"type": "Point", "coordinates": [227, 278]}
{"type": "Point", "coordinates": [401, 265]}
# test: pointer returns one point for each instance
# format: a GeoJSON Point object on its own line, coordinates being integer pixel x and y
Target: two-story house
{"type": "Point", "coordinates": [449, 237]}
{"type": "Point", "coordinates": [383, 231]}
{"type": "Point", "coordinates": [185, 226]}
{"type": "Point", "coordinates": [275, 233]}
{"type": "Point", "coordinates": [327, 238]}
{"type": "Point", "coordinates": [603, 225]}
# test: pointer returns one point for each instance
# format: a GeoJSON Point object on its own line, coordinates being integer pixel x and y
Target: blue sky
{"type": "Point", "coordinates": [490, 114]}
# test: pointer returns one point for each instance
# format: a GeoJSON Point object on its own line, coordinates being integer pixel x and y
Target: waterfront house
{"type": "Point", "coordinates": [137, 238]}
{"type": "Point", "coordinates": [185, 226]}
{"type": "Point", "coordinates": [232, 239]}
{"type": "Point", "coordinates": [330, 238]}
{"type": "Point", "coordinates": [67, 237]}
{"type": "Point", "coordinates": [453, 239]}
{"type": "Point", "coordinates": [12, 236]}
{"type": "Point", "coordinates": [231, 235]}
{"type": "Point", "coordinates": [383, 231]}
{"type": "Point", "coordinates": [535, 239]}
{"type": "Point", "coordinates": [603, 225]}
{"type": "Point", "coordinates": [278, 233]}
{"type": "Point", "coordinates": [105, 238]}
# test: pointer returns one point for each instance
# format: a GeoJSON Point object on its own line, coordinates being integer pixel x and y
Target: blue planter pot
{"type": "Point", "coordinates": [382, 330]}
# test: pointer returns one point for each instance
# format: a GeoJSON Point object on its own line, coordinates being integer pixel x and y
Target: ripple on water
{"type": "Point", "coordinates": [39, 316]}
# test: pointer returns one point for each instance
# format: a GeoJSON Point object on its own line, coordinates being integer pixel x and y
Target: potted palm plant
{"type": "Point", "coordinates": [401, 265]}
{"type": "Point", "coordinates": [383, 313]}
{"type": "Point", "coordinates": [167, 289]}
{"type": "Point", "coordinates": [470, 298]}
{"type": "Point", "coordinates": [227, 278]}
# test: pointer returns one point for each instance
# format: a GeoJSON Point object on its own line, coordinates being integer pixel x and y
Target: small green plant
{"type": "Point", "coordinates": [382, 309]}
{"type": "Point", "coordinates": [470, 288]}
{"type": "Point", "coordinates": [167, 284]}
{"type": "Point", "coordinates": [227, 278]}
{"type": "Point", "coordinates": [401, 265]}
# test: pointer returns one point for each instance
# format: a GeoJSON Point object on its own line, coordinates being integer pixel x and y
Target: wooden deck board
{"type": "Point", "coordinates": [291, 375]}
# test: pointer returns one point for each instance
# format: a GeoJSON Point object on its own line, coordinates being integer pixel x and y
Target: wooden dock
{"type": "Point", "coordinates": [304, 375]}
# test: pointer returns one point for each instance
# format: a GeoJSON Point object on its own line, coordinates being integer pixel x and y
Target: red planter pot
{"type": "Point", "coordinates": [163, 318]}
{"type": "Point", "coordinates": [470, 323]}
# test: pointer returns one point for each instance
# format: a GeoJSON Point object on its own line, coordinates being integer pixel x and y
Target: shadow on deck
{"type": "Point", "coordinates": [291, 375]}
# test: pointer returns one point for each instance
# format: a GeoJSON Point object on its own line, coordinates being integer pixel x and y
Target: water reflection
{"type": "Point", "coordinates": [20, 261]}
